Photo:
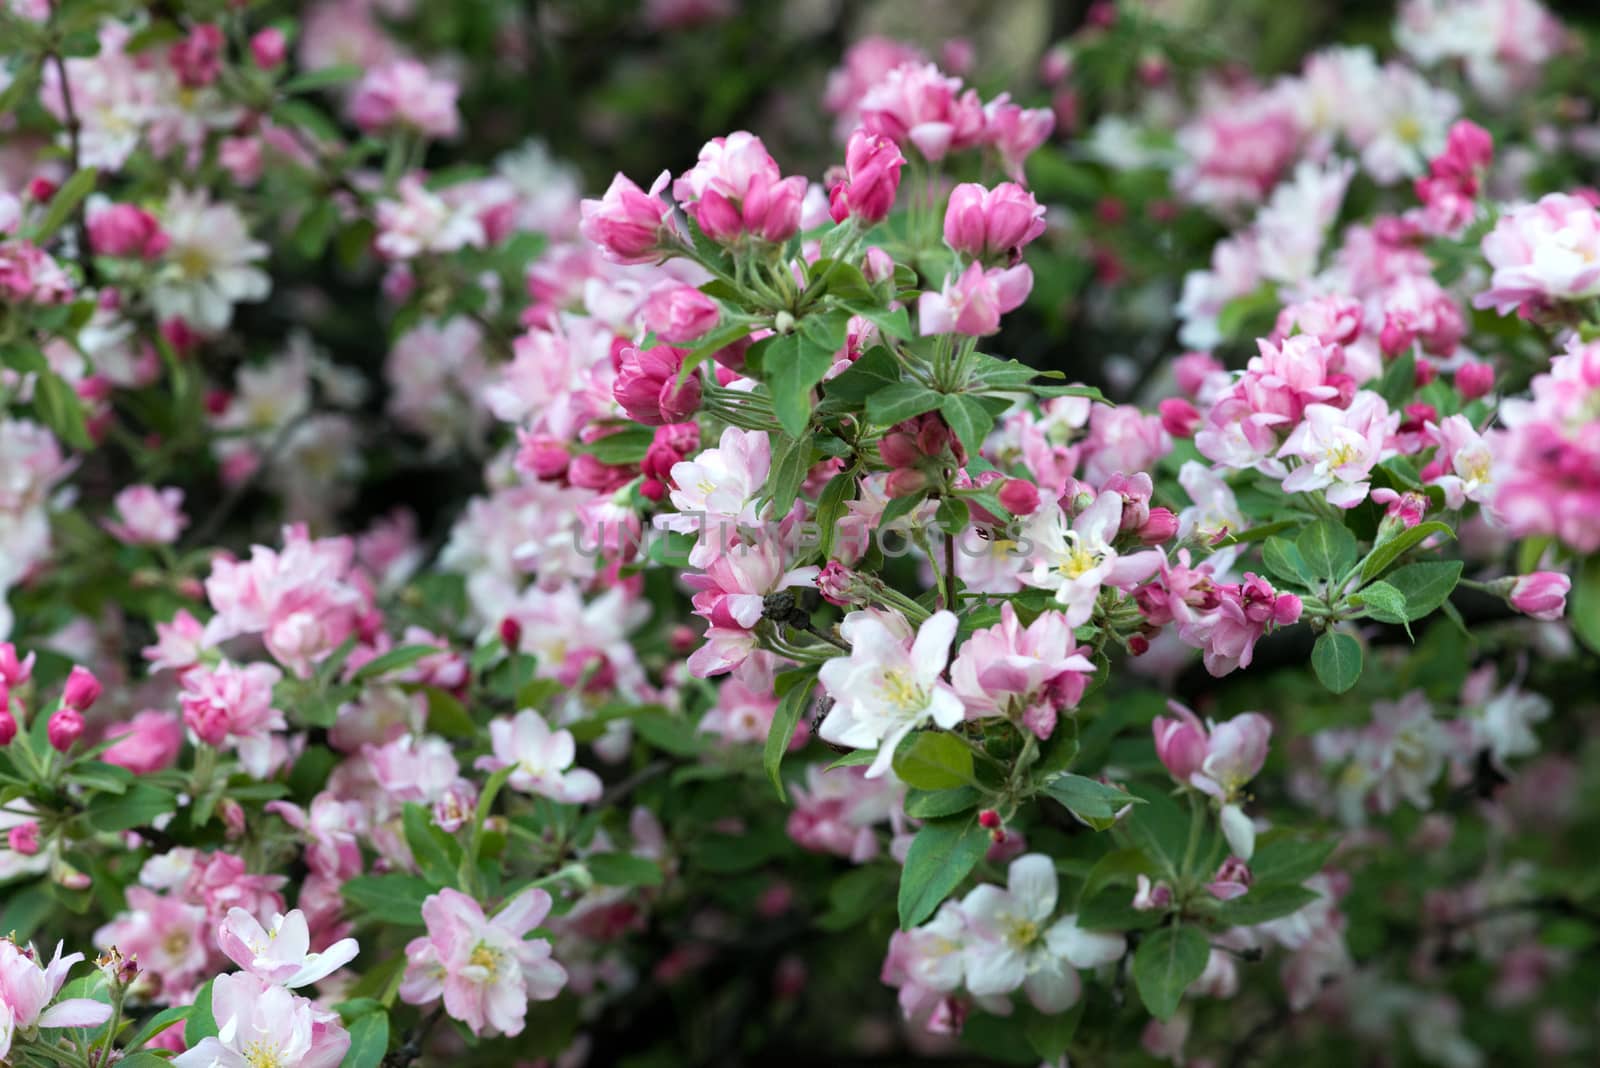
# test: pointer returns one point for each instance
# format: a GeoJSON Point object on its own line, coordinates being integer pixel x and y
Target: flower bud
{"type": "Point", "coordinates": [8, 722]}
{"type": "Point", "coordinates": [990, 223]}
{"type": "Point", "coordinates": [268, 48]}
{"type": "Point", "coordinates": [126, 230]}
{"type": "Point", "coordinates": [1178, 417]}
{"type": "Point", "coordinates": [1180, 742]}
{"type": "Point", "coordinates": [1232, 880]}
{"type": "Point", "coordinates": [24, 838]}
{"type": "Point", "coordinates": [629, 224]}
{"type": "Point", "coordinates": [1474, 380]}
{"type": "Point", "coordinates": [65, 728]}
{"type": "Point", "coordinates": [877, 266]}
{"type": "Point", "coordinates": [679, 313]}
{"type": "Point", "coordinates": [872, 177]}
{"type": "Point", "coordinates": [543, 456]}
{"type": "Point", "coordinates": [1541, 594]}
{"type": "Point", "coordinates": [510, 633]}
{"type": "Point", "coordinates": [1019, 496]}
{"type": "Point", "coordinates": [904, 482]}
{"type": "Point", "coordinates": [1162, 526]}
{"type": "Point", "coordinates": [1151, 897]}
{"type": "Point", "coordinates": [82, 689]}
{"type": "Point", "coordinates": [648, 389]}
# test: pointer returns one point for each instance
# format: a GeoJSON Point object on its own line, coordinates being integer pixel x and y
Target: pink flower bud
{"type": "Point", "coordinates": [542, 456]}
{"type": "Point", "coordinates": [1162, 526]}
{"type": "Point", "coordinates": [1180, 742]}
{"type": "Point", "coordinates": [1541, 594]}
{"type": "Point", "coordinates": [82, 689]}
{"type": "Point", "coordinates": [629, 224]}
{"type": "Point", "coordinates": [877, 266]}
{"type": "Point", "coordinates": [233, 821]}
{"type": "Point", "coordinates": [872, 177]}
{"type": "Point", "coordinates": [648, 389]}
{"type": "Point", "coordinates": [1192, 369]}
{"type": "Point", "coordinates": [989, 819]}
{"type": "Point", "coordinates": [24, 838]}
{"type": "Point", "coordinates": [65, 727]}
{"type": "Point", "coordinates": [126, 230]}
{"type": "Point", "coordinates": [1232, 880]}
{"type": "Point", "coordinates": [1019, 496]}
{"type": "Point", "coordinates": [1151, 897]}
{"type": "Point", "coordinates": [679, 313]}
{"type": "Point", "coordinates": [510, 633]}
{"type": "Point", "coordinates": [8, 722]}
{"type": "Point", "coordinates": [14, 672]}
{"type": "Point", "coordinates": [904, 482]}
{"type": "Point", "coordinates": [1474, 380]}
{"type": "Point", "coordinates": [1178, 417]}
{"type": "Point", "coordinates": [989, 223]}
{"type": "Point", "coordinates": [197, 59]}
{"type": "Point", "coordinates": [837, 584]}
{"type": "Point", "coordinates": [146, 744]}
{"type": "Point", "coordinates": [268, 48]}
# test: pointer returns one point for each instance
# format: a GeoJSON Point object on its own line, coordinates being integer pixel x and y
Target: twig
{"type": "Point", "coordinates": [411, 1048]}
{"type": "Point", "coordinates": [74, 143]}
{"type": "Point", "coordinates": [203, 534]}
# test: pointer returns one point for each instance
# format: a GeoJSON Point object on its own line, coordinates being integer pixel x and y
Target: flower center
{"type": "Point", "coordinates": [1340, 454]}
{"type": "Point", "coordinates": [902, 692]}
{"type": "Point", "coordinates": [259, 1054]}
{"type": "Point", "coordinates": [193, 261]}
{"type": "Point", "coordinates": [487, 958]}
{"type": "Point", "coordinates": [1079, 562]}
{"type": "Point", "coordinates": [1019, 931]}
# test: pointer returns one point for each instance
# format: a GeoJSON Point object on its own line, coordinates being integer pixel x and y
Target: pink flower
{"type": "Point", "coordinates": [14, 671]}
{"type": "Point", "coordinates": [280, 954]}
{"type": "Point", "coordinates": [1474, 380]}
{"type": "Point", "coordinates": [540, 759]}
{"type": "Point", "coordinates": [262, 1024]}
{"type": "Point", "coordinates": [648, 386]}
{"type": "Point", "coordinates": [82, 689]}
{"type": "Point", "coordinates": [1339, 447]}
{"type": "Point", "coordinates": [268, 48]}
{"type": "Point", "coordinates": [973, 303]}
{"type": "Point", "coordinates": [229, 704]}
{"type": "Point", "coordinates": [679, 313]}
{"type": "Point", "coordinates": [1547, 460]}
{"type": "Point", "coordinates": [1122, 439]}
{"type": "Point", "coordinates": [1542, 594]}
{"type": "Point", "coordinates": [1543, 253]}
{"type": "Point", "coordinates": [731, 596]}
{"type": "Point", "coordinates": [197, 59]}
{"type": "Point", "coordinates": [1180, 742]}
{"type": "Point", "coordinates": [628, 224]}
{"type": "Point", "coordinates": [178, 644]}
{"type": "Point", "coordinates": [405, 93]}
{"type": "Point", "coordinates": [1218, 761]}
{"type": "Point", "coordinates": [872, 177]}
{"type": "Point", "coordinates": [148, 516]}
{"type": "Point", "coordinates": [412, 769]}
{"type": "Point", "coordinates": [1015, 132]}
{"type": "Point", "coordinates": [888, 686]}
{"type": "Point", "coordinates": [126, 230]}
{"type": "Point", "coordinates": [1076, 560]}
{"type": "Point", "coordinates": [485, 969]}
{"type": "Point", "coordinates": [989, 224]}
{"type": "Point", "coordinates": [1031, 673]}
{"type": "Point", "coordinates": [28, 274]}
{"type": "Point", "coordinates": [916, 104]}
{"type": "Point", "coordinates": [736, 190]}
{"type": "Point", "coordinates": [421, 221]}
{"type": "Point", "coordinates": [27, 985]}
{"type": "Point", "coordinates": [1232, 880]}
{"type": "Point", "coordinates": [866, 63]}
{"type": "Point", "coordinates": [149, 742]}
{"type": "Point", "coordinates": [839, 812]}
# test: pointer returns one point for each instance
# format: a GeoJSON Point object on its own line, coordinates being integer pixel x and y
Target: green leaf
{"type": "Point", "coordinates": [1426, 585]}
{"type": "Point", "coordinates": [901, 401]}
{"type": "Point", "coordinates": [1265, 903]}
{"type": "Point", "coordinates": [393, 660]}
{"type": "Point", "coordinates": [793, 364]}
{"type": "Point", "coordinates": [784, 721]}
{"type": "Point", "coordinates": [438, 855]}
{"type": "Point", "coordinates": [337, 74]}
{"type": "Point", "coordinates": [1159, 828]}
{"type": "Point", "coordinates": [1399, 379]}
{"type": "Point", "coordinates": [670, 734]}
{"type": "Point", "coordinates": [931, 804]}
{"type": "Point", "coordinates": [853, 896]}
{"type": "Point", "coordinates": [65, 202]}
{"type": "Point", "coordinates": [369, 1041]}
{"type": "Point", "coordinates": [390, 898]}
{"type": "Point", "coordinates": [1336, 658]}
{"type": "Point", "coordinates": [1282, 558]}
{"type": "Point", "coordinates": [900, 506]}
{"type": "Point", "coordinates": [876, 370]}
{"type": "Point", "coordinates": [1327, 548]}
{"type": "Point", "coordinates": [831, 508]}
{"type": "Point", "coordinates": [59, 408]}
{"type": "Point", "coordinates": [969, 419]}
{"type": "Point", "coordinates": [1089, 798]}
{"type": "Point", "coordinates": [201, 1022]}
{"type": "Point", "coordinates": [942, 854]}
{"type": "Point", "coordinates": [1383, 602]}
{"type": "Point", "coordinates": [623, 869]}
{"type": "Point", "coordinates": [1584, 610]}
{"type": "Point", "coordinates": [447, 715]}
{"type": "Point", "coordinates": [934, 760]}
{"type": "Point", "coordinates": [1167, 961]}
{"type": "Point", "coordinates": [140, 806]}
{"type": "Point", "coordinates": [791, 460]}
{"type": "Point", "coordinates": [1051, 1033]}
{"type": "Point", "coordinates": [1387, 552]}
{"type": "Point", "coordinates": [1285, 856]}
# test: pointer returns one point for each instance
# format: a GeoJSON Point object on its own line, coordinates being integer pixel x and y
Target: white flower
{"type": "Point", "coordinates": [884, 690]}
{"type": "Point", "coordinates": [1011, 941]}
{"type": "Point", "coordinates": [210, 265]}
{"type": "Point", "coordinates": [281, 955]}
{"type": "Point", "coordinates": [1077, 561]}
{"type": "Point", "coordinates": [539, 759]}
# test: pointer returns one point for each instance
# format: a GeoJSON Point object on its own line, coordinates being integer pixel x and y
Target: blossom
{"type": "Point", "coordinates": [872, 177]}
{"type": "Point", "coordinates": [973, 302]}
{"type": "Point", "coordinates": [679, 313]}
{"type": "Point", "coordinates": [260, 1025]}
{"type": "Point", "coordinates": [126, 230]}
{"type": "Point", "coordinates": [210, 262]}
{"type": "Point", "coordinates": [405, 93]}
{"type": "Point", "coordinates": [27, 985]}
{"type": "Point", "coordinates": [421, 221]}
{"type": "Point", "coordinates": [990, 223]}
{"type": "Point", "coordinates": [838, 811]}
{"type": "Point", "coordinates": [628, 224]}
{"type": "Point", "coordinates": [1015, 132]}
{"type": "Point", "coordinates": [148, 516]}
{"type": "Point", "coordinates": [486, 969]}
{"type": "Point", "coordinates": [230, 704]}
{"type": "Point", "coordinates": [652, 389]}
{"type": "Point", "coordinates": [539, 759]}
{"type": "Point", "coordinates": [1339, 447]}
{"type": "Point", "coordinates": [1547, 459]}
{"type": "Point", "coordinates": [1541, 594]}
{"type": "Point", "coordinates": [1011, 941]}
{"type": "Point", "coordinates": [887, 687]}
{"type": "Point", "coordinates": [1030, 672]}
{"type": "Point", "coordinates": [915, 104]}
{"type": "Point", "coordinates": [720, 485]}
{"type": "Point", "coordinates": [1543, 253]}
{"type": "Point", "coordinates": [147, 743]}
{"type": "Point", "coordinates": [735, 191]}
{"type": "Point", "coordinates": [1076, 561]}
{"type": "Point", "coordinates": [280, 953]}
